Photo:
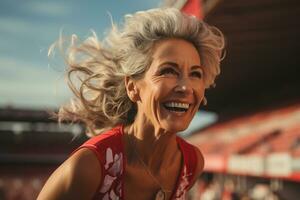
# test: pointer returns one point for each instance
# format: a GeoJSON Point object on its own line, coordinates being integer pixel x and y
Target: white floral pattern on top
{"type": "Point", "coordinates": [184, 183]}
{"type": "Point", "coordinates": [111, 187]}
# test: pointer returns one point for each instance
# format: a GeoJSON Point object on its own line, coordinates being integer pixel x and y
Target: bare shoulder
{"type": "Point", "coordinates": [84, 168]}
{"type": "Point", "coordinates": [77, 178]}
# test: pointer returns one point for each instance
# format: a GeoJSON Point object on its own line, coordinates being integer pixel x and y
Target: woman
{"type": "Point", "coordinates": [137, 89]}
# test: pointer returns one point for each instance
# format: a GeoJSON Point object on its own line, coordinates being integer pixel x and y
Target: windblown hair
{"type": "Point", "coordinates": [96, 70]}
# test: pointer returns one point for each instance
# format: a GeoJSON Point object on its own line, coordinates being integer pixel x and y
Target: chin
{"type": "Point", "coordinates": [174, 128]}
{"type": "Point", "coordinates": [174, 122]}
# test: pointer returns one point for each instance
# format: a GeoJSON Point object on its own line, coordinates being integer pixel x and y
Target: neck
{"type": "Point", "coordinates": [153, 145]}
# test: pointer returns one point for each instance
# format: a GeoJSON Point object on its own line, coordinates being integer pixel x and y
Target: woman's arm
{"type": "Point", "coordinates": [77, 178]}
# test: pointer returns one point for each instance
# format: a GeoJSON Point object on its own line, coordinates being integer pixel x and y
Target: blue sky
{"type": "Point", "coordinates": [28, 78]}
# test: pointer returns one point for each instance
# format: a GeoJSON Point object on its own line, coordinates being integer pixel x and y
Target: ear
{"type": "Point", "coordinates": [131, 89]}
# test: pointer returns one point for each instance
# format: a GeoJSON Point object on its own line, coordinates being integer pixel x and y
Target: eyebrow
{"type": "Point", "coordinates": [194, 67]}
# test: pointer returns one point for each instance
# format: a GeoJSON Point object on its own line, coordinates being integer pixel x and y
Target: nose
{"type": "Point", "coordinates": [184, 86]}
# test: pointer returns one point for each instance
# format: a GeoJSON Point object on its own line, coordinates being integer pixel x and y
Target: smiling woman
{"type": "Point", "coordinates": [173, 86]}
{"type": "Point", "coordinates": [136, 90]}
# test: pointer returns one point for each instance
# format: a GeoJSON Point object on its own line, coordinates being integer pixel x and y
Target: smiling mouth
{"type": "Point", "coordinates": [177, 107]}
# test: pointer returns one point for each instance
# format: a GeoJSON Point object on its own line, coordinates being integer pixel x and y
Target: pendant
{"type": "Point", "coordinates": [160, 195]}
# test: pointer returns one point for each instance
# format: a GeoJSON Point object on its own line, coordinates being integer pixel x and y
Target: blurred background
{"type": "Point", "coordinates": [249, 132]}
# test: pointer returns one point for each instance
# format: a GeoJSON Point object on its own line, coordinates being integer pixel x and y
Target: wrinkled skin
{"type": "Point", "coordinates": [175, 75]}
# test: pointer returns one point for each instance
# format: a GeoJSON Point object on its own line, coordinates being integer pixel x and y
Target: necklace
{"type": "Point", "coordinates": [161, 194]}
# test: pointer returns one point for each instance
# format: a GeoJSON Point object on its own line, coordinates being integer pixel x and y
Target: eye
{"type": "Point", "coordinates": [168, 71]}
{"type": "Point", "coordinates": [197, 74]}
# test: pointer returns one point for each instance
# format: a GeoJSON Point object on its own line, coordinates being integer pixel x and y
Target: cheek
{"type": "Point", "coordinates": [165, 91]}
{"type": "Point", "coordinates": [162, 87]}
{"type": "Point", "coordinates": [200, 92]}
{"type": "Point", "coordinates": [152, 94]}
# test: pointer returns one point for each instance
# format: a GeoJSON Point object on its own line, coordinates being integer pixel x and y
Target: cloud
{"type": "Point", "coordinates": [19, 69]}
{"type": "Point", "coordinates": [49, 9]}
{"type": "Point", "coordinates": [11, 25]}
{"type": "Point", "coordinates": [26, 28]}
{"type": "Point", "coordinates": [25, 84]}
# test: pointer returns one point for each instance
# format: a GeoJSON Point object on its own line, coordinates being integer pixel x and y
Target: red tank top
{"type": "Point", "coordinates": [109, 149]}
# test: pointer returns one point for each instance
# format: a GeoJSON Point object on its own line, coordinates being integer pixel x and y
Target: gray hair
{"type": "Point", "coordinates": [99, 68]}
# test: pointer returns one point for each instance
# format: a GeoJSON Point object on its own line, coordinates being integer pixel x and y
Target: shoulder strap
{"type": "Point", "coordinates": [100, 143]}
{"type": "Point", "coordinates": [190, 159]}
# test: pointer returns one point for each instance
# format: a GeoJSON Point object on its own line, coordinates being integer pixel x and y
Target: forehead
{"type": "Point", "coordinates": [178, 50]}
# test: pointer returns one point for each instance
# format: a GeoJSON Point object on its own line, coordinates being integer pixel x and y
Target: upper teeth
{"type": "Point", "coordinates": [177, 104]}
